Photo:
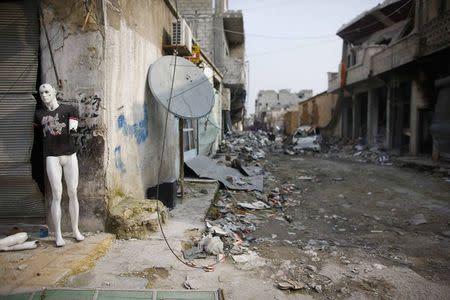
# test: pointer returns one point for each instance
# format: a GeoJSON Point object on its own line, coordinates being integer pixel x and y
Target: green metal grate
{"type": "Point", "coordinates": [103, 294]}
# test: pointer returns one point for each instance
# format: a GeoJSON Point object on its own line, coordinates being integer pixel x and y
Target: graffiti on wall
{"type": "Point", "coordinates": [120, 166]}
{"type": "Point", "coordinates": [89, 126]}
{"type": "Point", "coordinates": [138, 130]}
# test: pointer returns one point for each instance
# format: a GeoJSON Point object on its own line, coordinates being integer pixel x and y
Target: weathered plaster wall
{"type": "Point", "coordinates": [135, 31]}
{"type": "Point", "coordinates": [78, 46]}
{"type": "Point", "coordinates": [318, 110]}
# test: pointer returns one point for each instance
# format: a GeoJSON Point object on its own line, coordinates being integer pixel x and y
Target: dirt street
{"type": "Point", "coordinates": [346, 231]}
{"type": "Point", "coordinates": [357, 218]}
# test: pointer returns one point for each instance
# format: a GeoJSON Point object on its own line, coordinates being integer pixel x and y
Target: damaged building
{"type": "Point", "coordinates": [97, 55]}
{"type": "Point", "coordinates": [271, 106]}
{"type": "Point", "coordinates": [393, 77]}
{"type": "Point", "coordinates": [220, 32]}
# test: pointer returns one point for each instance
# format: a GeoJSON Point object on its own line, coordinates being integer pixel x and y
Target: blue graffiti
{"type": "Point", "coordinates": [138, 130]}
{"type": "Point", "coordinates": [118, 159]}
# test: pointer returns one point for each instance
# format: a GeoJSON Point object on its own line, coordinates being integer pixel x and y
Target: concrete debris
{"type": "Point", "coordinates": [418, 219]}
{"type": "Point", "coordinates": [316, 287]}
{"type": "Point", "coordinates": [255, 205]}
{"type": "Point", "coordinates": [250, 259]}
{"type": "Point", "coordinates": [291, 285]}
{"type": "Point", "coordinates": [190, 284]}
{"type": "Point", "coordinates": [312, 268]}
{"type": "Point", "coordinates": [136, 218]}
{"type": "Point", "coordinates": [212, 245]}
{"type": "Point", "coordinates": [247, 145]}
{"type": "Point", "coordinates": [337, 149]}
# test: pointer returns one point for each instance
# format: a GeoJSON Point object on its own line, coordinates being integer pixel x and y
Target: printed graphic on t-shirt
{"type": "Point", "coordinates": [51, 125]}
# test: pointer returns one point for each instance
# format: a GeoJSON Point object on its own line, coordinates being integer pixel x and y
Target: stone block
{"type": "Point", "coordinates": [136, 218]}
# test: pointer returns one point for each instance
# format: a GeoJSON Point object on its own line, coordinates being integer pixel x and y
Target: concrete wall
{"type": "Point", "coordinates": [79, 58]}
{"type": "Point", "coordinates": [134, 35]}
{"type": "Point", "coordinates": [318, 110]}
{"type": "Point", "coordinates": [196, 6]}
{"type": "Point", "coordinates": [199, 15]}
{"type": "Point", "coordinates": [103, 64]}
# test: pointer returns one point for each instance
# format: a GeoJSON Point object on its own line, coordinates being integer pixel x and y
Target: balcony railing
{"type": "Point", "coordinates": [402, 52]}
{"type": "Point", "coordinates": [362, 70]}
{"type": "Point", "coordinates": [334, 83]}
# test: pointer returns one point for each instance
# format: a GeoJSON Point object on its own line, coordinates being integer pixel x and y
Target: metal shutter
{"type": "Point", "coordinates": [19, 40]}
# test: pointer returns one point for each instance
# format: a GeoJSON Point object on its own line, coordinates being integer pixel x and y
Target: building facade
{"type": "Point", "coordinates": [393, 57]}
{"type": "Point", "coordinates": [270, 106]}
{"type": "Point", "coordinates": [220, 32]}
{"type": "Point", "coordinates": [97, 55]}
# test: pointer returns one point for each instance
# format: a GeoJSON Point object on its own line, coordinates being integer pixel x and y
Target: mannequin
{"type": "Point", "coordinates": [57, 121]}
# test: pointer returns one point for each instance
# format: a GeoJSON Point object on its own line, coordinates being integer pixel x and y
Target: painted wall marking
{"type": "Point", "coordinates": [137, 130]}
{"type": "Point", "coordinates": [120, 166]}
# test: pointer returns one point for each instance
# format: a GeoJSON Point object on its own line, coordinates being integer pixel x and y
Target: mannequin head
{"type": "Point", "coordinates": [48, 96]}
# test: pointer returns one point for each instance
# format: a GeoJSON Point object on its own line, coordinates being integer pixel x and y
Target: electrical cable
{"type": "Point", "coordinates": [375, 23]}
{"type": "Point", "coordinates": [207, 268]}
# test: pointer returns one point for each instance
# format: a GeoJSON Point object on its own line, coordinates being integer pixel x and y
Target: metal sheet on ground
{"type": "Point", "coordinates": [88, 294]}
{"type": "Point", "coordinates": [205, 167]}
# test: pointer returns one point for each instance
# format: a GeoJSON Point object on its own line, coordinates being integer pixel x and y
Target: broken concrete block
{"type": "Point", "coordinates": [135, 218]}
{"type": "Point", "coordinates": [212, 245]}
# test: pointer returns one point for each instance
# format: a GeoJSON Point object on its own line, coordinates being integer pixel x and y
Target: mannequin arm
{"type": "Point", "coordinates": [73, 124]}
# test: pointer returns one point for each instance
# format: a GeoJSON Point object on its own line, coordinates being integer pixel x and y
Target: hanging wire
{"type": "Point", "coordinates": [206, 268]}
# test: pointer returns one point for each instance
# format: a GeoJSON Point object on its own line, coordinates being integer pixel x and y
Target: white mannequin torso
{"type": "Point", "coordinates": [56, 166]}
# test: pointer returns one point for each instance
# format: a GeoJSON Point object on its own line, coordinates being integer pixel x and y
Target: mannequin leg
{"type": "Point", "coordinates": [54, 173]}
{"type": "Point", "coordinates": [71, 178]}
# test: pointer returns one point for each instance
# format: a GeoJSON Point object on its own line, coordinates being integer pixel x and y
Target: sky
{"type": "Point", "coordinates": [292, 44]}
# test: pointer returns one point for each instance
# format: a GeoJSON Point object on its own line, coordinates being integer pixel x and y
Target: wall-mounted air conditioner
{"type": "Point", "coordinates": [182, 36]}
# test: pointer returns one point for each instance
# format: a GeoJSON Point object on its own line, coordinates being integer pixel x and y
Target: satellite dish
{"type": "Point", "coordinates": [192, 95]}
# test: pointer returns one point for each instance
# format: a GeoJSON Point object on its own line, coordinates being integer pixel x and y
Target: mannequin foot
{"type": "Point", "coordinates": [78, 236]}
{"type": "Point", "coordinates": [60, 242]}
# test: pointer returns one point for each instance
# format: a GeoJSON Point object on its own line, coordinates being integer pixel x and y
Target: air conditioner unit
{"type": "Point", "coordinates": [182, 36]}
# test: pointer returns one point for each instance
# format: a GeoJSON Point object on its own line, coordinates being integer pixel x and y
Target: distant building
{"type": "Point", "coordinates": [270, 106]}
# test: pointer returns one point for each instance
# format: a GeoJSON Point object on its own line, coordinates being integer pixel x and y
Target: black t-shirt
{"type": "Point", "coordinates": [55, 129]}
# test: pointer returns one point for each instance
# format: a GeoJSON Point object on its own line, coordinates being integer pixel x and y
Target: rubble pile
{"type": "Point", "coordinates": [233, 218]}
{"type": "Point", "coordinates": [360, 153]}
{"type": "Point", "coordinates": [354, 151]}
{"type": "Point", "coordinates": [247, 145]}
